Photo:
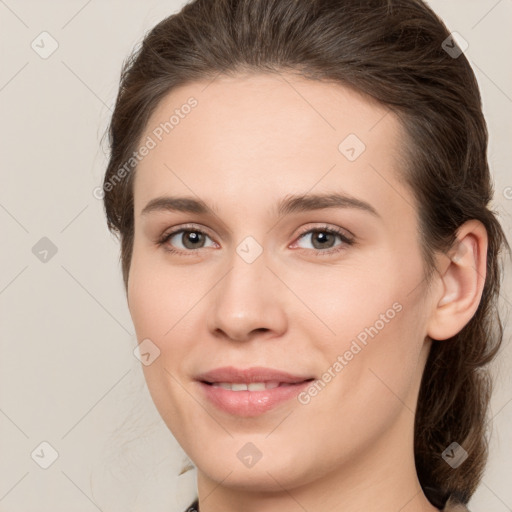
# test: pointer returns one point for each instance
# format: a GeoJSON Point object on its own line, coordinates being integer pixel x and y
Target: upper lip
{"type": "Point", "coordinates": [248, 375]}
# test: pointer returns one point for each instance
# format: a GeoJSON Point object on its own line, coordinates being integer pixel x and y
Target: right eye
{"type": "Point", "coordinates": [191, 240]}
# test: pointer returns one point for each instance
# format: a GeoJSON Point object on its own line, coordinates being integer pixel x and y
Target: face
{"type": "Point", "coordinates": [328, 291]}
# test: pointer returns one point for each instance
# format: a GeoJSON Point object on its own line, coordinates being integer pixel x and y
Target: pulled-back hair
{"type": "Point", "coordinates": [396, 52]}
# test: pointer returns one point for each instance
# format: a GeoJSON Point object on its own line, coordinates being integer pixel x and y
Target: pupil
{"type": "Point", "coordinates": [324, 235]}
{"type": "Point", "coordinates": [194, 236]}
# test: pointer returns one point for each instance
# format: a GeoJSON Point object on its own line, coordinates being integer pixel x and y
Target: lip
{"type": "Point", "coordinates": [248, 375]}
{"type": "Point", "coordinates": [250, 403]}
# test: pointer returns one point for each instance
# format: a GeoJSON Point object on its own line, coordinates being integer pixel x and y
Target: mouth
{"type": "Point", "coordinates": [253, 386]}
{"type": "Point", "coordinates": [250, 392]}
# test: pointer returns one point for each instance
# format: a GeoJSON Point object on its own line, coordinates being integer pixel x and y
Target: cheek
{"type": "Point", "coordinates": [345, 303]}
{"type": "Point", "coordinates": [159, 314]}
{"type": "Point", "coordinates": [163, 308]}
{"type": "Point", "coordinates": [152, 297]}
{"type": "Point", "coordinates": [370, 375]}
{"type": "Point", "coordinates": [377, 327]}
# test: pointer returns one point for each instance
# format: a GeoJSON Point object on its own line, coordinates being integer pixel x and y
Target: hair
{"type": "Point", "coordinates": [392, 51]}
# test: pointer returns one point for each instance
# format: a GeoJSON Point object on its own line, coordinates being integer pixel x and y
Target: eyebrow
{"type": "Point", "coordinates": [288, 205]}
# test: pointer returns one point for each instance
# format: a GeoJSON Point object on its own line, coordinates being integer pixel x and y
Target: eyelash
{"type": "Point", "coordinates": [325, 229]}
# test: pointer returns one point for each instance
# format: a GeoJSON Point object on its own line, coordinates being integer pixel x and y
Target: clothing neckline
{"type": "Point", "coordinates": [450, 506]}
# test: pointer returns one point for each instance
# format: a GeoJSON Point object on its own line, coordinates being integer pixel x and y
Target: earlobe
{"type": "Point", "coordinates": [462, 282]}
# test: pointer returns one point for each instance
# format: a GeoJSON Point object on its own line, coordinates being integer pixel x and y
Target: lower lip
{"type": "Point", "coordinates": [251, 403]}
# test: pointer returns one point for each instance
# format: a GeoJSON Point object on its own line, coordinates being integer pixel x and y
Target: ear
{"type": "Point", "coordinates": [461, 282]}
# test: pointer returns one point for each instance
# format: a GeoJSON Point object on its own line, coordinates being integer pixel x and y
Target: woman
{"type": "Point", "coordinates": [301, 190]}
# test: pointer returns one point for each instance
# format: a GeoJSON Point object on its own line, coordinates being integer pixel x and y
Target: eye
{"type": "Point", "coordinates": [190, 239]}
{"type": "Point", "coordinates": [322, 239]}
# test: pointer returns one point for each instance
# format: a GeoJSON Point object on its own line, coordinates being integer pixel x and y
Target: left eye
{"type": "Point", "coordinates": [323, 238]}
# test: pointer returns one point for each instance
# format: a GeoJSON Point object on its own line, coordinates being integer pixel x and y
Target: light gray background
{"type": "Point", "coordinates": [68, 375]}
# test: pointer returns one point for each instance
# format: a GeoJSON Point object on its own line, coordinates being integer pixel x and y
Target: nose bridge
{"type": "Point", "coordinates": [246, 299]}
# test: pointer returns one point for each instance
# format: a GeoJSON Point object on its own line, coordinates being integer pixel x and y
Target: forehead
{"type": "Point", "coordinates": [257, 137]}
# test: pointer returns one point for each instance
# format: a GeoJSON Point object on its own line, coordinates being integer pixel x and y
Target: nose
{"type": "Point", "coordinates": [248, 301]}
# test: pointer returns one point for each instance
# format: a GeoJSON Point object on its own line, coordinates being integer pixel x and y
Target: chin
{"type": "Point", "coordinates": [270, 475]}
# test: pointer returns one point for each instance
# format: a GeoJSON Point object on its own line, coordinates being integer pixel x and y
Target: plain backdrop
{"type": "Point", "coordinates": [72, 395]}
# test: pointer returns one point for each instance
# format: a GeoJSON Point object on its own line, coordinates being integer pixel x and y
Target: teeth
{"type": "Point", "coordinates": [253, 386]}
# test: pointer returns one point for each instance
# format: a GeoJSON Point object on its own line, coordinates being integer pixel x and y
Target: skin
{"type": "Point", "coordinates": [251, 141]}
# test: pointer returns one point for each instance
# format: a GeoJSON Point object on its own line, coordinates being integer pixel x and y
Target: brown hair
{"type": "Point", "coordinates": [393, 51]}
